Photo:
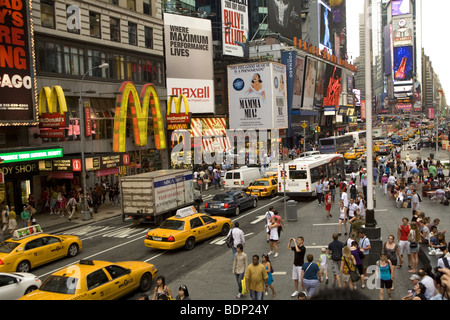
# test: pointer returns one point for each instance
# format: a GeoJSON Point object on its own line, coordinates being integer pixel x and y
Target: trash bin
{"type": "Point", "coordinates": [431, 156]}
{"type": "Point", "coordinates": [291, 210]}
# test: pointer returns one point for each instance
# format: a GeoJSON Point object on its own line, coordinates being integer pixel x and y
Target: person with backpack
{"type": "Point", "coordinates": [347, 265]}
{"type": "Point", "coordinates": [353, 191]}
{"type": "Point", "coordinates": [335, 251]}
{"type": "Point", "coordinates": [235, 236]}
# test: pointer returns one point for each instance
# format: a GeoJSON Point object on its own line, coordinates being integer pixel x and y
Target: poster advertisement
{"type": "Point", "coordinates": [285, 17]}
{"type": "Point", "coordinates": [325, 24]}
{"type": "Point", "coordinates": [189, 60]}
{"type": "Point", "coordinates": [403, 63]}
{"type": "Point", "coordinates": [310, 84]}
{"type": "Point", "coordinates": [339, 29]}
{"type": "Point", "coordinates": [18, 98]}
{"type": "Point", "coordinates": [298, 83]}
{"type": "Point", "coordinates": [235, 28]}
{"type": "Point", "coordinates": [402, 31]}
{"type": "Point", "coordinates": [319, 90]}
{"type": "Point", "coordinates": [400, 7]}
{"type": "Point", "coordinates": [257, 96]}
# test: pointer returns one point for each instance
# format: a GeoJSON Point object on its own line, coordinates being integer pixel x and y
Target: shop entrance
{"type": "Point", "coordinates": [17, 192]}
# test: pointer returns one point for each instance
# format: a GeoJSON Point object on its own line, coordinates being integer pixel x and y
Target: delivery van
{"type": "Point", "coordinates": [241, 178]}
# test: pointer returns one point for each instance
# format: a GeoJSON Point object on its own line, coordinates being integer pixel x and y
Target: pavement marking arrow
{"type": "Point", "coordinates": [258, 219]}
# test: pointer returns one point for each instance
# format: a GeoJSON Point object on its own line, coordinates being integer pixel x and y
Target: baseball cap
{"type": "Point", "coordinates": [414, 277]}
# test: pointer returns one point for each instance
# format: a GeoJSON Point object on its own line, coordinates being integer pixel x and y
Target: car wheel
{"type": "Point", "coordinates": [237, 211]}
{"type": "Point", "coordinates": [30, 289]}
{"type": "Point", "coordinates": [255, 203]}
{"type": "Point", "coordinates": [190, 243]}
{"type": "Point", "coordinates": [23, 266]}
{"type": "Point", "coordinates": [225, 229]}
{"type": "Point", "coordinates": [73, 250]}
{"type": "Point", "coordinates": [146, 282]}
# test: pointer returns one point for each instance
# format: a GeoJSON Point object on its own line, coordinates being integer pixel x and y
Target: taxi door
{"type": "Point", "coordinates": [211, 226]}
{"type": "Point", "coordinates": [99, 286]}
{"type": "Point", "coordinates": [198, 229]}
{"type": "Point", "coordinates": [34, 252]}
{"type": "Point", "coordinates": [53, 248]}
{"type": "Point", "coordinates": [123, 281]}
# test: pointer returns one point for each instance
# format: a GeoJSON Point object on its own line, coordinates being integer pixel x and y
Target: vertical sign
{"type": "Point", "coordinates": [189, 60]}
{"type": "Point", "coordinates": [17, 77]}
{"type": "Point", "coordinates": [235, 28]}
{"type": "Point", "coordinates": [363, 109]}
{"type": "Point", "coordinates": [87, 120]}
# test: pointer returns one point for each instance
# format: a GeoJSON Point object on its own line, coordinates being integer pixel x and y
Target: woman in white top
{"type": "Point", "coordinates": [342, 217]}
{"type": "Point", "coordinates": [273, 236]}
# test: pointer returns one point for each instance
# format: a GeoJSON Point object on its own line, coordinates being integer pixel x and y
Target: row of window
{"type": "Point", "coordinates": [74, 60]}
{"type": "Point", "coordinates": [48, 21]}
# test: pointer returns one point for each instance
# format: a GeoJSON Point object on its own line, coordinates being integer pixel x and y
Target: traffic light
{"type": "Point", "coordinates": [382, 119]}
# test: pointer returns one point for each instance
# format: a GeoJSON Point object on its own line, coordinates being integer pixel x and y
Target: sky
{"type": "Point", "coordinates": [434, 12]}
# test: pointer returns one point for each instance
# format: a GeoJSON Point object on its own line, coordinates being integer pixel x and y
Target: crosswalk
{"type": "Point", "coordinates": [121, 232]}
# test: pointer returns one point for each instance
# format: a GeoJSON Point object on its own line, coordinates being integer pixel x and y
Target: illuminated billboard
{"type": "Point", "coordinates": [17, 70]}
{"type": "Point", "coordinates": [325, 26]}
{"type": "Point", "coordinates": [285, 17]}
{"type": "Point", "coordinates": [400, 7]}
{"type": "Point", "coordinates": [403, 63]}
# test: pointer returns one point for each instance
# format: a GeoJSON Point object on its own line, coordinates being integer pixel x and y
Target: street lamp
{"type": "Point", "coordinates": [85, 214]}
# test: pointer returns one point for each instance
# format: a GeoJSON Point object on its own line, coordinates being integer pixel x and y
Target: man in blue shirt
{"type": "Point", "coordinates": [319, 191]}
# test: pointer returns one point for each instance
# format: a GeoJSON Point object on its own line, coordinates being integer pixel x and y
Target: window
{"type": "Point", "coordinates": [116, 2]}
{"type": "Point", "coordinates": [50, 240]}
{"type": "Point", "coordinates": [96, 279]}
{"type": "Point", "coordinates": [116, 271]}
{"type": "Point", "coordinates": [33, 244]}
{"type": "Point", "coordinates": [96, 58]}
{"type": "Point", "coordinates": [131, 5]}
{"type": "Point", "coordinates": [207, 220]}
{"type": "Point", "coordinates": [148, 37]}
{"type": "Point", "coordinates": [73, 61]}
{"type": "Point", "coordinates": [6, 280]}
{"type": "Point", "coordinates": [147, 7]}
{"type": "Point", "coordinates": [132, 33]}
{"type": "Point", "coordinates": [114, 25]}
{"type": "Point", "coordinates": [48, 14]}
{"type": "Point", "coordinates": [94, 24]}
{"type": "Point", "coordinates": [195, 223]}
{"type": "Point", "coordinates": [49, 57]}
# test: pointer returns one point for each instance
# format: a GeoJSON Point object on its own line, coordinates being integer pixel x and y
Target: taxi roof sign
{"type": "Point", "coordinates": [184, 212]}
{"type": "Point", "coordinates": [26, 232]}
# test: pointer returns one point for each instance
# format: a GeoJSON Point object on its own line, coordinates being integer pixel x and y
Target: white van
{"type": "Point", "coordinates": [242, 177]}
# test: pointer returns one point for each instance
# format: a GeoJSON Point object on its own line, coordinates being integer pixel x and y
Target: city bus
{"type": "Point", "coordinates": [338, 144]}
{"type": "Point", "coordinates": [303, 174]}
{"type": "Point", "coordinates": [359, 137]}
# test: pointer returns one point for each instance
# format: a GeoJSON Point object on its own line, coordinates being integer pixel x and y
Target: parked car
{"type": "Point", "coordinates": [231, 202]}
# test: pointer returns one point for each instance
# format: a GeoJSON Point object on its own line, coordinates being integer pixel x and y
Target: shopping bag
{"type": "Point", "coordinates": [244, 286]}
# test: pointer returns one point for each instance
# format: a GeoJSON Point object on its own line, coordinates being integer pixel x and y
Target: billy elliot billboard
{"type": "Point", "coordinates": [17, 95]}
{"type": "Point", "coordinates": [189, 60]}
{"type": "Point", "coordinates": [235, 28]}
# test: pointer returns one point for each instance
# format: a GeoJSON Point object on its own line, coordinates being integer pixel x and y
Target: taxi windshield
{"type": "Point", "coordinates": [172, 225]}
{"type": "Point", "coordinates": [59, 284]}
{"type": "Point", "coordinates": [7, 247]}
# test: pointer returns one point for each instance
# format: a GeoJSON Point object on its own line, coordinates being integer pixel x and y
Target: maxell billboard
{"type": "Point", "coordinates": [257, 96]}
{"type": "Point", "coordinates": [17, 95]}
{"type": "Point", "coordinates": [189, 60]}
{"type": "Point", "coordinates": [235, 28]}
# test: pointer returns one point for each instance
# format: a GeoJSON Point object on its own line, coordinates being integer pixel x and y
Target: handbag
{"type": "Point", "coordinates": [243, 286]}
{"type": "Point", "coordinates": [354, 274]}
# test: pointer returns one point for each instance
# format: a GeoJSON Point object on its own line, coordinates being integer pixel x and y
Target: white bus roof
{"type": "Point", "coordinates": [317, 158]}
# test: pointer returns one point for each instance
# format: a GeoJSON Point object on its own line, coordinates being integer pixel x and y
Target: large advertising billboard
{"type": "Point", "coordinates": [326, 38]}
{"type": "Point", "coordinates": [189, 60]}
{"type": "Point", "coordinates": [235, 28]}
{"type": "Point", "coordinates": [339, 28]}
{"type": "Point", "coordinates": [310, 84]}
{"type": "Point", "coordinates": [18, 100]}
{"type": "Point", "coordinates": [402, 31]}
{"type": "Point", "coordinates": [257, 96]}
{"type": "Point", "coordinates": [400, 7]}
{"type": "Point", "coordinates": [403, 63]}
{"type": "Point", "coordinates": [285, 17]}
{"type": "Point", "coordinates": [319, 90]}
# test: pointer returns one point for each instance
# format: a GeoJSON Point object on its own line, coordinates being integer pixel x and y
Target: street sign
{"type": "Point", "coordinates": [304, 125]}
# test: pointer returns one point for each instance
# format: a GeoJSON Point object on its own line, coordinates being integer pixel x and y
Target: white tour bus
{"type": "Point", "coordinates": [302, 174]}
{"type": "Point", "coordinates": [359, 137]}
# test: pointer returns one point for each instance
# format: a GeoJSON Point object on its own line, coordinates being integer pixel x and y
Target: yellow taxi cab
{"type": "Point", "coordinates": [351, 155]}
{"type": "Point", "coordinates": [411, 134]}
{"type": "Point", "coordinates": [30, 247]}
{"type": "Point", "coordinates": [430, 126]}
{"type": "Point", "coordinates": [95, 280]}
{"type": "Point", "coordinates": [376, 148]}
{"type": "Point", "coordinates": [185, 229]}
{"type": "Point", "coordinates": [405, 137]}
{"type": "Point", "coordinates": [263, 187]}
{"type": "Point", "coordinates": [360, 150]}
